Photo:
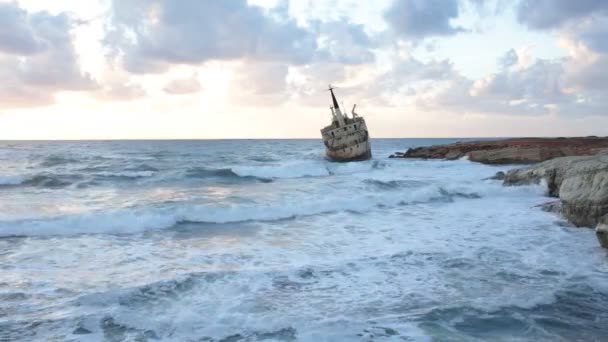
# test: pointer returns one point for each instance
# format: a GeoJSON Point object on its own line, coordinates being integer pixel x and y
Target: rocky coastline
{"type": "Point", "coordinates": [575, 170]}
{"type": "Point", "coordinates": [510, 151]}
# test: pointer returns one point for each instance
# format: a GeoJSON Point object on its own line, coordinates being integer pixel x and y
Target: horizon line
{"type": "Point", "coordinates": [217, 139]}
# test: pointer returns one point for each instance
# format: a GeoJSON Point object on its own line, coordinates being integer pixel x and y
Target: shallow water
{"type": "Point", "coordinates": [265, 240]}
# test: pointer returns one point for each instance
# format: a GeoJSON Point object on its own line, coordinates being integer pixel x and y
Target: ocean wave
{"type": "Point", "coordinates": [393, 184]}
{"type": "Point", "coordinates": [567, 313]}
{"type": "Point", "coordinates": [202, 172]}
{"type": "Point", "coordinates": [49, 181]}
{"type": "Point", "coordinates": [56, 160]}
{"type": "Point", "coordinates": [286, 170]}
{"type": "Point", "coordinates": [125, 174]}
{"type": "Point", "coordinates": [106, 168]}
{"type": "Point", "coordinates": [155, 292]}
{"type": "Point", "coordinates": [263, 159]}
{"type": "Point", "coordinates": [114, 307]}
{"type": "Point", "coordinates": [58, 180]}
{"type": "Point", "coordinates": [451, 194]}
{"type": "Point", "coordinates": [138, 219]}
{"type": "Point", "coordinates": [42, 180]}
{"type": "Point", "coordinates": [306, 168]}
{"type": "Point", "coordinates": [143, 167]}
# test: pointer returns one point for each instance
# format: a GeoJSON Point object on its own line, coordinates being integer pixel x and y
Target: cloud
{"type": "Point", "coordinates": [262, 84]}
{"type": "Point", "coordinates": [581, 27]}
{"type": "Point", "coordinates": [17, 35]}
{"type": "Point", "coordinates": [570, 86]}
{"type": "Point", "coordinates": [37, 58]}
{"type": "Point", "coordinates": [509, 59]}
{"type": "Point", "coordinates": [183, 86]}
{"type": "Point", "coordinates": [547, 14]}
{"type": "Point", "coordinates": [342, 42]}
{"type": "Point", "coordinates": [263, 78]}
{"type": "Point", "coordinates": [490, 7]}
{"type": "Point", "coordinates": [585, 76]}
{"type": "Point", "coordinates": [155, 34]}
{"type": "Point", "coordinates": [534, 89]}
{"type": "Point", "coordinates": [591, 31]}
{"type": "Point", "coordinates": [307, 84]}
{"type": "Point", "coordinates": [120, 91]}
{"type": "Point", "coordinates": [417, 19]}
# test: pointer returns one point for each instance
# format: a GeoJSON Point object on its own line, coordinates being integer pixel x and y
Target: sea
{"type": "Point", "coordinates": [265, 240]}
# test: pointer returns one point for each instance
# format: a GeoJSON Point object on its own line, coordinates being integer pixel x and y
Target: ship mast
{"type": "Point", "coordinates": [336, 108]}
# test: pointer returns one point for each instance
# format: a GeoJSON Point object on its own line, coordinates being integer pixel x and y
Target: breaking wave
{"type": "Point", "coordinates": [287, 170]}
{"type": "Point", "coordinates": [570, 313]}
{"type": "Point", "coordinates": [39, 181]}
{"type": "Point", "coordinates": [202, 172]}
{"type": "Point", "coordinates": [58, 181]}
{"type": "Point", "coordinates": [49, 181]}
{"type": "Point", "coordinates": [138, 219]}
{"type": "Point", "coordinates": [308, 168]}
{"type": "Point", "coordinates": [265, 174]}
{"type": "Point", "coordinates": [296, 169]}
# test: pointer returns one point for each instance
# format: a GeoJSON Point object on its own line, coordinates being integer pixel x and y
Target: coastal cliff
{"type": "Point", "coordinates": [581, 183]}
{"type": "Point", "coordinates": [574, 169]}
{"type": "Point", "coordinates": [510, 151]}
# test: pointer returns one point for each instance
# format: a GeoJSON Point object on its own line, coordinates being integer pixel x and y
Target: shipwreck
{"type": "Point", "coordinates": [346, 138]}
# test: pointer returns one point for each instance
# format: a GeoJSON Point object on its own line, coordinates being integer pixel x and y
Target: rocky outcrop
{"type": "Point", "coordinates": [500, 175]}
{"type": "Point", "coordinates": [581, 183]}
{"type": "Point", "coordinates": [510, 151]}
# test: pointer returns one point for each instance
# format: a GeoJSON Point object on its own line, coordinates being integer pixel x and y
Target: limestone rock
{"type": "Point", "coordinates": [581, 183]}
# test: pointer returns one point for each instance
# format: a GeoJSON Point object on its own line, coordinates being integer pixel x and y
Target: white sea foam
{"type": "Point", "coordinates": [382, 250]}
{"type": "Point", "coordinates": [307, 168]}
{"type": "Point", "coordinates": [297, 169]}
{"type": "Point", "coordinates": [132, 220]}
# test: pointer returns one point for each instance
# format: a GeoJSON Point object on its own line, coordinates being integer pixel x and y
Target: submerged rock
{"type": "Point", "coordinates": [510, 151]}
{"type": "Point", "coordinates": [500, 175]}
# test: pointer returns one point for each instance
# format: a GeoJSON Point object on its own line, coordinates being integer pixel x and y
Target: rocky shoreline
{"type": "Point", "coordinates": [574, 169]}
{"type": "Point", "coordinates": [510, 151]}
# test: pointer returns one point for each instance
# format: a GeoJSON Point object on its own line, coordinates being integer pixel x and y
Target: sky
{"type": "Point", "coordinates": [210, 69]}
